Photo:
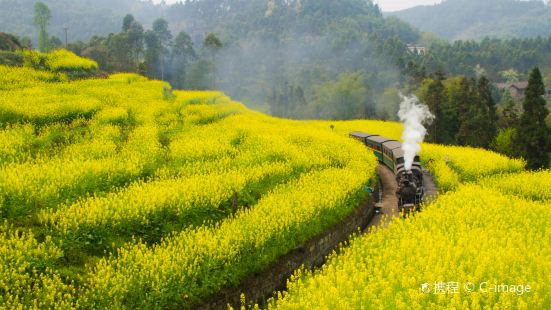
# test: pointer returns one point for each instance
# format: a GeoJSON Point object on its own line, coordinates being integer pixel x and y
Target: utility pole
{"type": "Point", "coordinates": [66, 43]}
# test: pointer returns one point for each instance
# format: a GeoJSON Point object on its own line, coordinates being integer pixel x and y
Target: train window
{"type": "Point", "coordinates": [400, 160]}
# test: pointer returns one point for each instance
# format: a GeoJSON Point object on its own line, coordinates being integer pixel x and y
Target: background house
{"type": "Point", "coordinates": [517, 89]}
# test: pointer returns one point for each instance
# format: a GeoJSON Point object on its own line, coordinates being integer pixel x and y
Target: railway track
{"type": "Point", "coordinates": [388, 205]}
{"type": "Point", "coordinates": [260, 286]}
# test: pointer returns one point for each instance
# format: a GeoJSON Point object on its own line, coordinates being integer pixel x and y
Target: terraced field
{"type": "Point", "coordinates": [122, 192]}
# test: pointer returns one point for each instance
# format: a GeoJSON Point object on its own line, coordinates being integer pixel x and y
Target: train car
{"type": "Point", "coordinates": [417, 171]}
{"type": "Point", "coordinates": [375, 143]}
{"type": "Point", "coordinates": [389, 152]}
{"type": "Point", "coordinates": [360, 136]}
{"type": "Point", "coordinates": [391, 149]}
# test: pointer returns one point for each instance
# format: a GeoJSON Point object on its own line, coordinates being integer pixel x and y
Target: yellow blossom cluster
{"type": "Point", "coordinates": [64, 60]}
{"type": "Point", "coordinates": [27, 279]}
{"type": "Point", "coordinates": [61, 61]}
{"type": "Point", "coordinates": [14, 77]}
{"type": "Point", "coordinates": [453, 165]}
{"type": "Point", "coordinates": [531, 185]}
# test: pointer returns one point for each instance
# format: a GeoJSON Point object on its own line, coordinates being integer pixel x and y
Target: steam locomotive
{"type": "Point", "coordinates": [410, 182]}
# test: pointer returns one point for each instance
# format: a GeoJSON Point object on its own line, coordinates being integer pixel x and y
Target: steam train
{"type": "Point", "coordinates": [410, 182]}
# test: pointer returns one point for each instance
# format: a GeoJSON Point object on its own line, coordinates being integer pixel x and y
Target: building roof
{"type": "Point", "coordinates": [517, 85]}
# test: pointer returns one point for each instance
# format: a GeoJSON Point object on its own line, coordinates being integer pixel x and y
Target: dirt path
{"type": "Point", "coordinates": [431, 191]}
{"type": "Point", "coordinates": [389, 202]}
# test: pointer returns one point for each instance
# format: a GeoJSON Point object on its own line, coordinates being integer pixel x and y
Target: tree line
{"type": "Point", "coordinates": [466, 114]}
{"type": "Point", "coordinates": [155, 53]}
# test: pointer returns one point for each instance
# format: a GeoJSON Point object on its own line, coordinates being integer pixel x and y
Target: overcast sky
{"type": "Point", "coordinates": [386, 5]}
{"type": "Point", "coordinates": [396, 5]}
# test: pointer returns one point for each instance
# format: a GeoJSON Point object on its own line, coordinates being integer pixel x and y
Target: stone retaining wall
{"type": "Point", "coordinates": [259, 287]}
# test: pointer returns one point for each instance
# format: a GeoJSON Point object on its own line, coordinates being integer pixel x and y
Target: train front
{"type": "Point", "coordinates": [409, 196]}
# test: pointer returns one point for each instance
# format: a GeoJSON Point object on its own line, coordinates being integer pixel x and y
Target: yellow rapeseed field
{"type": "Point", "coordinates": [126, 166]}
{"type": "Point", "coordinates": [473, 248]}
{"type": "Point", "coordinates": [122, 193]}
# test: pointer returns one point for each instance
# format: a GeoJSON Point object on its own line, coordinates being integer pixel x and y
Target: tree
{"type": "Point", "coordinates": [487, 109]}
{"type": "Point", "coordinates": [135, 38]}
{"type": "Point", "coordinates": [26, 42]}
{"type": "Point", "coordinates": [42, 17]}
{"type": "Point", "coordinates": [457, 90]}
{"type": "Point", "coordinates": [533, 134]}
{"type": "Point", "coordinates": [346, 98]}
{"type": "Point", "coordinates": [504, 142]}
{"type": "Point", "coordinates": [9, 42]}
{"type": "Point", "coordinates": [434, 96]}
{"type": "Point", "coordinates": [509, 113]}
{"type": "Point", "coordinates": [212, 45]}
{"type": "Point", "coordinates": [198, 75]}
{"type": "Point", "coordinates": [120, 53]}
{"type": "Point", "coordinates": [97, 50]}
{"type": "Point", "coordinates": [182, 56]}
{"type": "Point", "coordinates": [55, 42]}
{"type": "Point", "coordinates": [152, 53]}
{"type": "Point", "coordinates": [467, 113]}
{"type": "Point", "coordinates": [288, 101]}
{"type": "Point", "coordinates": [388, 104]}
{"type": "Point", "coordinates": [163, 34]}
{"type": "Point", "coordinates": [479, 71]}
{"type": "Point", "coordinates": [510, 76]}
{"type": "Point", "coordinates": [127, 22]}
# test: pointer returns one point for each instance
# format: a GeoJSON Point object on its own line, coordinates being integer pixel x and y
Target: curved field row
{"type": "Point", "coordinates": [530, 185]}
{"type": "Point", "coordinates": [455, 165]}
{"type": "Point", "coordinates": [13, 78]}
{"type": "Point", "coordinates": [31, 186]}
{"type": "Point", "coordinates": [195, 263]}
{"type": "Point", "coordinates": [151, 210]}
{"type": "Point", "coordinates": [44, 166]}
{"type": "Point", "coordinates": [392, 130]}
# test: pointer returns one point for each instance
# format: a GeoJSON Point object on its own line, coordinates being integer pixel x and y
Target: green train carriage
{"type": "Point", "coordinates": [389, 152]}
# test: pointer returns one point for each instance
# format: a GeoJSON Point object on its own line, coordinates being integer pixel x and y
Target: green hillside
{"type": "Point", "coordinates": [474, 19]}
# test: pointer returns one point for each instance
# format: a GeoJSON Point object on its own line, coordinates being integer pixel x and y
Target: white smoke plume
{"type": "Point", "coordinates": [413, 114]}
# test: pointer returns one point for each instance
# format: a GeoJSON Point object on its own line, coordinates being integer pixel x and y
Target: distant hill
{"type": "Point", "coordinates": [83, 18]}
{"type": "Point", "coordinates": [475, 19]}
{"type": "Point", "coordinates": [297, 56]}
